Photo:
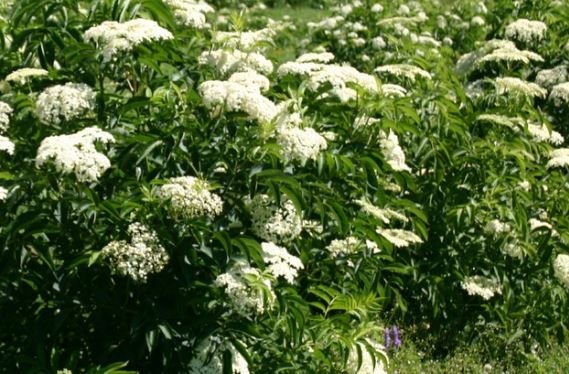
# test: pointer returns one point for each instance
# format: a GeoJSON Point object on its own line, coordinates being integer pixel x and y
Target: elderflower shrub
{"type": "Point", "coordinates": [356, 169]}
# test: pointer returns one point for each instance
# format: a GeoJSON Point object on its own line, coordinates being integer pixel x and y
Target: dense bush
{"type": "Point", "coordinates": [172, 201]}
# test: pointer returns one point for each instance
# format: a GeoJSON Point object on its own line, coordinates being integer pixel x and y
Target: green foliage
{"type": "Point", "coordinates": [436, 159]}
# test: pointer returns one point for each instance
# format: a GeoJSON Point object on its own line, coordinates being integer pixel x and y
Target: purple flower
{"type": "Point", "coordinates": [387, 338]}
{"type": "Point", "coordinates": [396, 340]}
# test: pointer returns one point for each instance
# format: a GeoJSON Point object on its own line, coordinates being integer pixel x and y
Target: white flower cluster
{"type": "Point", "coordinates": [378, 43]}
{"type": "Point", "coordinates": [513, 250]}
{"type": "Point", "coordinates": [300, 144]}
{"type": "Point", "coordinates": [248, 291]}
{"type": "Point", "coordinates": [190, 13]}
{"type": "Point", "coordinates": [364, 120]}
{"type": "Point", "coordinates": [377, 8]}
{"type": "Point", "coordinates": [525, 185]}
{"type": "Point", "coordinates": [496, 228]}
{"type": "Point", "coordinates": [561, 268]}
{"type": "Point", "coordinates": [550, 77]}
{"type": "Point", "coordinates": [343, 247]}
{"type": "Point", "coordinates": [280, 262]}
{"type": "Point", "coordinates": [478, 21]}
{"type": "Point", "coordinates": [3, 193]}
{"type": "Point", "coordinates": [5, 111]}
{"type": "Point", "coordinates": [560, 94]}
{"type": "Point", "coordinates": [385, 215]}
{"type": "Point", "coordinates": [238, 97]}
{"type": "Point", "coordinates": [189, 197]}
{"type": "Point", "coordinates": [321, 57]}
{"type": "Point", "coordinates": [6, 145]}
{"type": "Point", "coordinates": [392, 90]}
{"type": "Point", "coordinates": [535, 224]}
{"type": "Point", "coordinates": [277, 224]}
{"type": "Point", "coordinates": [399, 238]}
{"type": "Point", "coordinates": [481, 286]}
{"type": "Point", "coordinates": [144, 254]}
{"type": "Point", "coordinates": [208, 357]}
{"type": "Point", "coordinates": [495, 50]}
{"type": "Point", "coordinates": [509, 54]}
{"type": "Point", "coordinates": [65, 102]}
{"type": "Point", "coordinates": [252, 80]}
{"type": "Point", "coordinates": [392, 151]}
{"type": "Point", "coordinates": [367, 363]}
{"type": "Point", "coordinates": [227, 62]}
{"type": "Point", "coordinates": [22, 75]}
{"type": "Point", "coordinates": [512, 122]}
{"type": "Point", "coordinates": [518, 87]}
{"type": "Point", "coordinates": [526, 31]}
{"type": "Point", "coordinates": [410, 72]}
{"type": "Point", "coordinates": [541, 133]}
{"type": "Point", "coordinates": [558, 158]}
{"type": "Point", "coordinates": [339, 77]}
{"type": "Point", "coordinates": [114, 37]}
{"type": "Point", "coordinates": [244, 40]}
{"type": "Point", "coordinates": [76, 153]}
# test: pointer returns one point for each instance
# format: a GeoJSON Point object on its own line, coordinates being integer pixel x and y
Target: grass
{"type": "Point", "coordinates": [409, 360]}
